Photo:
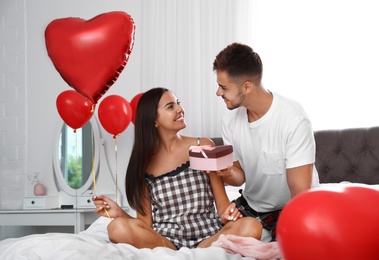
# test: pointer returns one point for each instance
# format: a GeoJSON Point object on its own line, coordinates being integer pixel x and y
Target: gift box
{"type": "Point", "coordinates": [211, 158]}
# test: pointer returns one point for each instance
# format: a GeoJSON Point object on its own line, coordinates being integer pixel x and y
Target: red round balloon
{"type": "Point", "coordinates": [75, 109]}
{"type": "Point", "coordinates": [133, 104]}
{"type": "Point", "coordinates": [90, 55]}
{"type": "Point", "coordinates": [115, 114]}
{"type": "Point", "coordinates": [327, 224]}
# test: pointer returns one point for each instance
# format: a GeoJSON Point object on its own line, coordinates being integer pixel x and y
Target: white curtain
{"type": "Point", "coordinates": [180, 40]}
{"type": "Point", "coordinates": [323, 54]}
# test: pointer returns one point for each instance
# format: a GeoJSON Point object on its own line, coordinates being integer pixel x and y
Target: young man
{"type": "Point", "coordinates": [272, 138]}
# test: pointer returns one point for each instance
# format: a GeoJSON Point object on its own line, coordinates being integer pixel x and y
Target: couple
{"type": "Point", "coordinates": [175, 204]}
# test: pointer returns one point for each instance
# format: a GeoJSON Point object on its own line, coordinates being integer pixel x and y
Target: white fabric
{"type": "Point", "coordinates": [344, 184]}
{"type": "Point", "coordinates": [180, 40]}
{"type": "Point", "coordinates": [281, 139]}
{"type": "Point", "coordinates": [93, 243]}
{"type": "Point", "coordinates": [248, 246]}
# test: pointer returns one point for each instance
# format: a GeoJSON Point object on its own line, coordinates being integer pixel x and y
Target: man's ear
{"type": "Point", "coordinates": [248, 87]}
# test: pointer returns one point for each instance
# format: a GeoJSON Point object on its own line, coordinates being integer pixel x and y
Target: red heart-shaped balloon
{"type": "Point", "coordinates": [330, 224]}
{"type": "Point", "coordinates": [90, 55]}
{"type": "Point", "coordinates": [75, 109]}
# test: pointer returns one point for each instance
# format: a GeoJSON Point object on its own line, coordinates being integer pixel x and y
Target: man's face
{"type": "Point", "coordinates": [230, 92]}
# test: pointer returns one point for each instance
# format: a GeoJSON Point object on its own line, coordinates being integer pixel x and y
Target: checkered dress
{"type": "Point", "coordinates": [183, 206]}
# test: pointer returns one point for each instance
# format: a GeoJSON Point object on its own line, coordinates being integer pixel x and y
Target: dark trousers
{"type": "Point", "coordinates": [267, 219]}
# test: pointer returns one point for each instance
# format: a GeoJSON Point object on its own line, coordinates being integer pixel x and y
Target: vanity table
{"type": "Point", "coordinates": [46, 211]}
{"type": "Point", "coordinates": [78, 218]}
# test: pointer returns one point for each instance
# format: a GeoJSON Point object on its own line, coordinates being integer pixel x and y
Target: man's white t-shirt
{"type": "Point", "coordinates": [283, 138]}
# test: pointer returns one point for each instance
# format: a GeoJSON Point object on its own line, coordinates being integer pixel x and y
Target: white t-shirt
{"type": "Point", "coordinates": [283, 138]}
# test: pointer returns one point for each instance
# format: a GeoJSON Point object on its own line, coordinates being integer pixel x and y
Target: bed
{"type": "Point", "coordinates": [344, 157]}
{"type": "Point", "coordinates": [93, 244]}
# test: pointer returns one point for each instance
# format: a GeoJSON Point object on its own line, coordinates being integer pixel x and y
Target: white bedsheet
{"type": "Point", "coordinates": [344, 184]}
{"type": "Point", "coordinates": [56, 246]}
{"type": "Point", "coordinates": [93, 244]}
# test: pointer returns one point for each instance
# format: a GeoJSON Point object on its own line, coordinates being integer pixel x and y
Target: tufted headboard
{"type": "Point", "coordinates": [345, 155]}
{"type": "Point", "coordinates": [348, 155]}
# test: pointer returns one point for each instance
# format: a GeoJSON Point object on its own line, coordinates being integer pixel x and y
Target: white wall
{"type": "Point", "coordinates": [324, 54]}
{"type": "Point", "coordinates": [12, 103]}
{"type": "Point", "coordinates": [44, 84]}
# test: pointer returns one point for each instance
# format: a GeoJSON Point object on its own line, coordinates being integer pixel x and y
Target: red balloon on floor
{"type": "Point", "coordinates": [326, 224]}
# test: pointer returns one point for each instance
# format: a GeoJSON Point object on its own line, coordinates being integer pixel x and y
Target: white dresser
{"type": "Point", "coordinates": [78, 218]}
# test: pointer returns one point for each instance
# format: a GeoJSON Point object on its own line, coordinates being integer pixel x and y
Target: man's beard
{"type": "Point", "coordinates": [241, 99]}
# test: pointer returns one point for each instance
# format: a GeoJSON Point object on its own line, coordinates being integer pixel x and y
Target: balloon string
{"type": "Point", "coordinates": [94, 177]}
{"type": "Point", "coordinates": [115, 149]}
{"type": "Point", "coordinates": [106, 211]}
{"type": "Point", "coordinates": [93, 166]}
{"type": "Point", "coordinates": [76, 158]}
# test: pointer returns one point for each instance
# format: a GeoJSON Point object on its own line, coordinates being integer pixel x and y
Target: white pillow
{"type": "Point", "coordinates": [337, 186]}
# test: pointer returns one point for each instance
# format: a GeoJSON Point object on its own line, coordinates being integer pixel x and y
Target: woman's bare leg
{"type": "Point", "coordinates": [136, 233]}
{"type": "Point", "coordinates": [246, 227]}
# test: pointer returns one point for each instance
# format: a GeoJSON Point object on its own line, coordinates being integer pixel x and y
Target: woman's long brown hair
{"type": "Point", "coordinates": [146, 142]}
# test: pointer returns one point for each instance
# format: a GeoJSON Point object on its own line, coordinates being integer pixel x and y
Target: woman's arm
{"type": "Point", "coordinates": [219, 193]}
{"type": "Point", "coordinates": [106, 207]}
{"type": "Point", "coordinates": [147, 218]}
{"type": "Point", "coordinates": [226, 210]}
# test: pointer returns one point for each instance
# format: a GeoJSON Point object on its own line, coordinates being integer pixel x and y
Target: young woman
{"type": "Point", "coordinates": [174, 204]}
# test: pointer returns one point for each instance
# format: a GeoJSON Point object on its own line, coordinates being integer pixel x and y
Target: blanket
{"type": "Point", "coordinates": [249, 247]}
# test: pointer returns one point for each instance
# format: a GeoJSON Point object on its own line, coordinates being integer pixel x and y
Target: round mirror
{"type": "Point", "coordinates": [76, 157]}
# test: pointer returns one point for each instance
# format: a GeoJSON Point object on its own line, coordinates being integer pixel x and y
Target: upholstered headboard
{"type": "Point", "coordinates": [345, 155]}
{"type": "Point", "coordinates": [218, 140]}
{"type": "Point", "coordinates": [348, 155]}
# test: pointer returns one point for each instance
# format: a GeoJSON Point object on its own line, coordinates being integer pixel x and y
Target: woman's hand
{"type": "Point", "coordinates": [106, 207]}
{"type": "Point", "coordinates": [231, 213]}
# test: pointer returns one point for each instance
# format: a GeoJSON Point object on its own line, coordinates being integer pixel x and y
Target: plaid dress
{"type": "Point", "coordinates": [183, 208]}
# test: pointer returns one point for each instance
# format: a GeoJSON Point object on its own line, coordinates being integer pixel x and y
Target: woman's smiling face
{"type": "Point", "coordinates": [170, 113]}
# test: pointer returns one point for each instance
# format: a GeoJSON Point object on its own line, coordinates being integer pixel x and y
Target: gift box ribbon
{"type": "Point", "coordinates": [201, 148]}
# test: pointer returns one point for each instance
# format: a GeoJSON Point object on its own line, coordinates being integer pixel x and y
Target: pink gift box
{"type": "Point", "coordinates": [211, 158]}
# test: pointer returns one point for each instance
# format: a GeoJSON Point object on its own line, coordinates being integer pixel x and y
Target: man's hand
{"type": "Point", "coordinates": [232, 175]}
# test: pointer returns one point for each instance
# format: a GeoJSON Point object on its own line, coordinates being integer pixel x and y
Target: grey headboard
{"type": "Point", "coordinates": [348, 155]}
{"type": "Point", "coordinates": [345, 155]}
{"type": "Point", "coordinates": [217, 140]}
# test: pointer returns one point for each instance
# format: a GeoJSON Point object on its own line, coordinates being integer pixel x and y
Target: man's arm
{"type": "Point", "coordinates": [299, 179]}
{"type": "Point", "coordinates": [233, 175]}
